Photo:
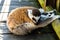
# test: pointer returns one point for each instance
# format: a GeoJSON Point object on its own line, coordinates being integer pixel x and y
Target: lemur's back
{"type": "Point", "coordinates": [18, 16]}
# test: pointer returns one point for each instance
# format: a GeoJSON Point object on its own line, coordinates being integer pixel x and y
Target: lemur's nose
{"type": "Point", "coordinates": [49, 15]}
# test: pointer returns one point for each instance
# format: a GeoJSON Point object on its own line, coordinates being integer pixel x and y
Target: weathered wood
{"type": "Point", "coordinates": [3, 28]}
{"type": "Point", "coordinates": [28, 37]}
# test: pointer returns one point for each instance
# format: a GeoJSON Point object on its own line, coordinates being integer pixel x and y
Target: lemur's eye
{"type": "Point", "coordinates": [54, 11]}
{"type": "Point", "coordinates": [44, 13]}
{"type": "Point", "coordinates": [50, 13]}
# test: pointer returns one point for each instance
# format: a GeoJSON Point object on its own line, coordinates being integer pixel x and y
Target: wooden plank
{"type": "Point", "coordinates": [5, 8]}
{"type": "Point", "coordinates": [0, 1]}
{"type": "Point", "coordinates": [3, 28]}
{"type": "Point", "coordinates": [49, 36]}
{"type": "Point", "coordinates": [3, 16]}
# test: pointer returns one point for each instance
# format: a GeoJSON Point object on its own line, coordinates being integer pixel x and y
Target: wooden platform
{"type": "Point", "coordinates": [39, 34]}
{"type": "Point", "coordinates": [35, 35]}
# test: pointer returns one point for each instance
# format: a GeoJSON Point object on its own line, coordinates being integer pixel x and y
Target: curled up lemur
{"type": "Point", "coordinates": [23, 20]}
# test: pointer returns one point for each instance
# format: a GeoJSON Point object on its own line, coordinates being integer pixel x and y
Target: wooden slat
{"type": "Point", "coordinates": [3, 28]}
{"type": "Point", "coordinates": [5, 8]}
{"type": "Point", "coordinates": [49, 36]}
{"type": "Point", "coordinates": [0, 1]}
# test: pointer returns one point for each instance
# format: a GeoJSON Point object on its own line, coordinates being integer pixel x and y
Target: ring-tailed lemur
{"type": "Point", "coordinates": [23, 20]}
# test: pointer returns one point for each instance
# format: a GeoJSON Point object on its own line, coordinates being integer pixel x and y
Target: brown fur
{"type": "Point", "coordinates": [19, 23]}
{"type": "Point", "coordinates": [16, 20]}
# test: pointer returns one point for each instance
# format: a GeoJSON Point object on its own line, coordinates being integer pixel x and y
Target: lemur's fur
{"type": "Point", "coordinates": [21, 20]}
{"type": "Point", "coordinates": [24, 19]}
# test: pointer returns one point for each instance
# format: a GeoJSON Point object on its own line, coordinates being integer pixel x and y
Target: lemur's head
{"type": "Point", "coordinates": [34, 15]}
{"type": "Point", "coordinates": [48, 14]}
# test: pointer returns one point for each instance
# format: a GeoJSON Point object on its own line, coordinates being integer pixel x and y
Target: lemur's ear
{"type": "Point", "coordinates": [29, 11]}
{"type": "Point", "coordinates": [41, 10]}
{"type": "Point", "coordinates": [54, 11]}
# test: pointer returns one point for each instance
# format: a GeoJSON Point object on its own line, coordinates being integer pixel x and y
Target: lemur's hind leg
{"type": "Point", "coordinates": [23, 29]}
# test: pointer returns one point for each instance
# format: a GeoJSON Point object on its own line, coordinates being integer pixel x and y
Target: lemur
{"type": "Point", "coordinates": [23, 20]}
